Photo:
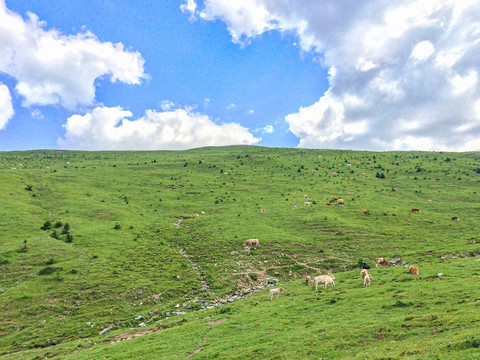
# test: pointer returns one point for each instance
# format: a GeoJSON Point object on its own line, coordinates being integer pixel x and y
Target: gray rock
{"type": "Point", "coordinates": [105, 331]}
{"type": "Point", "coordinates": [142, 324]}
{"type": "Point", "coordinates": [139, 317]}
{"type": "Point", "coordinates": [178, 312]}
{"type": "Point", "coordinates": [271, 282]}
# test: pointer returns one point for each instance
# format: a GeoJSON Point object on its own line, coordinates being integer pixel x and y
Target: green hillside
{"type": "Point", "coordinates": [111, 240]}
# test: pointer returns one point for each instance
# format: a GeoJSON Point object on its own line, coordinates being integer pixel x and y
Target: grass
{"type": "Point", "coordinates": [122, 256]}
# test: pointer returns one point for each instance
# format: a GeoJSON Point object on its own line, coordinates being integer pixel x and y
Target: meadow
{"type": "Point", "coordinates": [111, 240]}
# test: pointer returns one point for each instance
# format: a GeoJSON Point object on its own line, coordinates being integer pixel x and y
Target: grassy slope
{"type": "Point", "coordinates": [108, 276]}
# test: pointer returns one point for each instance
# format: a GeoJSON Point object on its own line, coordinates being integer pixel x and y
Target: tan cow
{"type": "Point", "coordinates": [308, 280]}
{"type": "Point", "coordinates": [250, 243]}
{"type": "Point", "coordinates": [325, 280]}
{"type": "Point", "coordinates": [414, 271]}
{"type": "Point", "coordinates": [275, 292]}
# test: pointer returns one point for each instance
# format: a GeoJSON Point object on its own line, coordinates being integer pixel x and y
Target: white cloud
{"type": "Point", "coordinates": [422, 50]}
{"type": "Point", "coordinates": [54, 68]}
{"type": "Point", "coordinates": [6, 107]}
{"type": "Point", "coordinates": [267, 129]}
{"type": "Point", "coordinates": [231, 106]}
{"type": "Point", "coordinates": [390, 63]}
{"type": "Point", "coordinates": [251, 112]}
{"type": "Point", "coordinates": [109, 129]}
{"type": "Point", "coordinates": [167, 105]}
{"type": "Point", "coordinates": [37, 114]}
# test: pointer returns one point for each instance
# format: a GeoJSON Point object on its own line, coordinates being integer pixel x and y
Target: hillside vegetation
{"type": "Point", "coordinates": [111, 240]}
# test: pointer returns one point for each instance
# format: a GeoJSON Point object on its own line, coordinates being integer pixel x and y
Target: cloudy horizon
{"type": "Point", "coordinates": [372, 75]}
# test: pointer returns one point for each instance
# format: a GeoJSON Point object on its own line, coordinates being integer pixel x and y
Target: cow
{"type": "Point", "coordinates": [325, 280]}
{"type": "Point", "coordinates": [308, 280]}
{"type": "Point", "coordinates": [365, 266]}
{"type": "Point", "coordinates": [275, 292]}
{"type": "Point", "coordinates": [364, 273]}
{"type": "Point", "coordinates": [334, 200]}
{"type": "Point", "coordinates": [381, 261]}
{"type": "Point", "coordinates": [366, 280]}
{"type": "Point", "coordinates": [413, 270]}
{"type": "Point", "coordinates": [340, 203]}
{"type": "Point", "coordinates": [416, 210]}
{"type": "Point", "coordinates": [263, 210]}
{"type": "Point", "coordinates": [250, 243]}
{"type": "Point", "coordinates": [365, 212]}
{"type": "Point", "coordinates": [334, 173]}
{"type": "Point", "coordinates": [305, 196]}
{"type": "Point", "coordinates": [455, 218]}
{"type": "Point", "coordinates": [328, 204]}
{"type": "Point", "coordinates": [306, 203]}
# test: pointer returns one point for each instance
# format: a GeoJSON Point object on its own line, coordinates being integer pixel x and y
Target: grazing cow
{"type": "Point", "coordinates": [414, 271]}
{"type": "Point", "coordinates": [305, 196]}
{"type": "Point", "coordinates": [365, 266]}
{"type": "Point", "coordinates": [364, 273]}
{"type": "Point", "coordinates": [334, 200]}
{"type": "Point", "coordinates": [438, 179]}
{"type": "Point", "coordinates": [306, 203]}
{"type": "Point", "coordinates": [363, 174]}
{"type": "Point", "coordinates": [430, 200]}
{"type": "Point", "coordinates": [250, 243]}
{"type": "Point", "coordinates": [381, 261]}
{"type": "Point", "coordinates": [325, 280]}
{"type": "Point", "coordinates": [340, 203]}
{"type": "Point", "coordinates": [308, 280]}
{"type": "Point", "coordinates": [348, 165]}
{"type": "Point", "coordinates": [339, 200]}
{"type": "Point", "coordinates": [334, 173]}
{"type": "Point", "coordinates": [328, 204]}
{"type": "Point", "coordinates": [365, 212]}
{"type": "Point", "coordinates": [455, 218]}
{"type": "Point", "coordinates": [416, 210]}
{"type": "Point", "coordinates": [263, 210]}
{"type": "Point", "coordinates": [275, 292]}
{"type": "Point", "coordinates": [366, 280]}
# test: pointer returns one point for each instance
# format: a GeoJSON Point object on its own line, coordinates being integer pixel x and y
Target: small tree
{"type": "Point", "coordinates": [66, 228]}
{"type": "Point", "coordinates": [47, 225]}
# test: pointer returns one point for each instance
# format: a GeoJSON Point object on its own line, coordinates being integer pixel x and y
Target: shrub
{"type": "Point", "coordinates": [50, 261]}
{"type": "Point", "coordinates": [29, 188]}
{"type": "Point", "coordinates": [253, 276]}
{"type": "Point", "coordinates": [48, 270]}
{"type": "Point", "coordinates": [69, 238]}
{"type": "Point", "coordinates": [58, 224]}
{"type": "Point", "coordinates": [117, 226]}
{"type": "Point", "coordinates": [54, 235]}
{"type": "Point", "coordinates": [66, 228]}
{"type": "Point", "coordinates": [47, 225]}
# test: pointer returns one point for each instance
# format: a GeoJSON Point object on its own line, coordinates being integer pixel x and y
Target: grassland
{"type": "Point", "coordinates": [134, 248]}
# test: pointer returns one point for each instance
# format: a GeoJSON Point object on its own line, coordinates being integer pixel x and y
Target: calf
{"type": "Point", "coordinates": [414, 271]}
{"type": "Point", "coordinates": [367, 280]}
{"type": "Point", "coordinates": [275, 292]}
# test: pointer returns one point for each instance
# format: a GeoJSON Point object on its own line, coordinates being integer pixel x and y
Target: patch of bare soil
{"type": "Point", "coordinates": [216, 322]}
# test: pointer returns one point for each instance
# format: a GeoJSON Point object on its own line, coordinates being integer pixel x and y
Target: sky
{"type": "Point", "coordinates": [178, 74]}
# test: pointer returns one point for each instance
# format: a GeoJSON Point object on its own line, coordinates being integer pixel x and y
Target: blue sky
{"type": "Point", "coordinates": [330, 74]}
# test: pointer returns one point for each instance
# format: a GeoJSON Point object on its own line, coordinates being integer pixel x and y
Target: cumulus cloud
{"type": "Point", "coordinates": [6, 107]}
{"type": "Point", "coordinates": [107, 128]}
{"type": "Point", "coordinates": [54, 68]}
{"type": "Point", "coordinates": [391, 64]}
{"type": "Point", "coordinates": [267, 129]}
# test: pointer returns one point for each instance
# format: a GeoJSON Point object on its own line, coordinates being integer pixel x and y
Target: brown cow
{"type": "Point", "coordinates": [308, 280]}
{"type": "Point", "coordinates": [381, 261]}
{"type": "Point", "coordinates": [416, 210]}
{"type": "Point", "coordinates": [414, 271]}
{"type": "Point", "coordinates": [365, 212]}
{"type": "Point", "coordinates": [328, 204]}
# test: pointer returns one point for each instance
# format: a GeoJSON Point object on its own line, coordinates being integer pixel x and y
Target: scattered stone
{"type": "Point", "coordinates": [105, 331]}
{"type": "Point", "coordinates": [178, 312]}
{"type": "Point", "coordinates": [142, 324]}
{"type": "Point", "coordinates": [440, 274]}
{"type": "Point", "coordinates": [177, 306]}
{"type": "Point", "coordinates": [271, 282]}
{"type": "Point", "coordinates": [139, 317]}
